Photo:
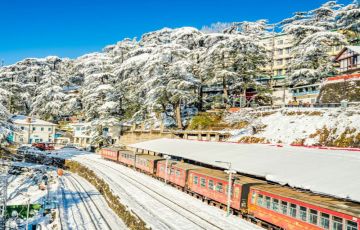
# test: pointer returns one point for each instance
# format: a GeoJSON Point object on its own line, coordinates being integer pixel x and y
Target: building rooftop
{"type": "Point", "coordinates": [331, 172]}
{"type": "Point", "coordinates": [24, 120]}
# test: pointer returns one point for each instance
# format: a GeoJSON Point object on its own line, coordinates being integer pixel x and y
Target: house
{"type": "Point", "coordinates": [83, 135]}
{"type": "Point", "coordinates": [305, 93]}
{"type": "Point", "coordinates": [348, 59]}
{"type": "Point", "coordinates": [32, 130]}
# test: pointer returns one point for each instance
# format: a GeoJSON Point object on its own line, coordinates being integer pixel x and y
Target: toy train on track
{"type": "Point", "coordinates": [269, 205]}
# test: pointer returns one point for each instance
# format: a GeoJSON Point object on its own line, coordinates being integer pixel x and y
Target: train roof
{"type": "Point", "coordinates": [346, 207]}
{"type": "Point", "coordinates": [149, 157]}
{"type": "Point", "coordinates": [182, 165]}
{"type": "Point", "coordinates": [224, 176]}
{"type": "Point", "coordinates": [332, 172]}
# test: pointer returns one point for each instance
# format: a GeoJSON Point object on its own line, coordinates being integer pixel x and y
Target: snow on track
{"type": "Point", "coordinates": [83, 207]}
{"type": "Point", "coordinates": [160, 206]}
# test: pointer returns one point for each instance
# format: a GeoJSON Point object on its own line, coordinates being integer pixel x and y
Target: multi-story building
{"type": "Point", "coordinates": [83, 135]}
{"type": "Point", "coordinates": [349, 60]}
{"type": "Point", "coordinates": [32, 130]}
{"type": "Point", "coordinates": [279, 49]}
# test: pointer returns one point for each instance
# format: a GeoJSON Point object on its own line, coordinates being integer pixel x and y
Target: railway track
{"type": "Point", "coordinates": [190, 215]}
{"type": "Point", "coordinates": [96, 217]}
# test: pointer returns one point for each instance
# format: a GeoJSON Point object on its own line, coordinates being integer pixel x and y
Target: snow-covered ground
{"type": "Point", "coordinates": [160, 206]}
{"type": "Point", "coordinates": [83, 207]}
{"type": "Point", "coordinates": [293, 124]}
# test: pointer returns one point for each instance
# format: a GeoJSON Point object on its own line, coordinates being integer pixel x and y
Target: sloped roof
{"type": "Point", "coordinates": [356, 49]}
{"type": "Point", "coordinates": [331, 172]}
{"type": "Point", "coordinates": [20, 119]}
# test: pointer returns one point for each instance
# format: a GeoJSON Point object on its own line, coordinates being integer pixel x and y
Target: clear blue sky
{"type": "Point", "coordinates": [70, 28]}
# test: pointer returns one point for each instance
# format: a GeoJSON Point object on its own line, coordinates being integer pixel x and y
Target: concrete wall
{"type": "Point", "coordinates": [131, 137]}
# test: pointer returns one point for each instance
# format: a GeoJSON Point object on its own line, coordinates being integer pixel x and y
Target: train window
{"type": "Point", "coordinates": [268, 202]}
{"type": "Point", "coordinates": [337, 223]}
{"type": "Point", "coordinates": [284, 207]}
{"type": "Point", "coordinates": [211, 184]}
{"type": "Point", "coordinates": [253, 198]}
{"type": "Point", "coordinates": [195, 180]}
{"type": "Point", "coordinates": [293, 210]}
{"type": "Point", "coordinates": [303, 213]}
{"type": "Point", "coordinates": [350, 225]}
{"type": "Point", "coordinates": [171, 171]}
{"type": "Point", "coordinates": [324, 221]}
{"type": "Point", "coordinates": [177, 172]}
{"type": "Point", "coordinates": [162, 169]}
{"type": "Point", "coordinates": [313, 216]}
{"type": "Point", "coordinates": [275, 205]}
{"type": "Point", "coordinates": [260, 200]}
{"type": "Point", "coordinates": [219, 187]}
{"type": "Point", "coordinates": [203, 182]}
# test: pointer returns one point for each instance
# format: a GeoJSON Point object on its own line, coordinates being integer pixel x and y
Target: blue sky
{"type": "Point", "coordinates": [70, 28]}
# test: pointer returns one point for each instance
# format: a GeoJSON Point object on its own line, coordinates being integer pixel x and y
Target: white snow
{"type": "Point", "coordinates": [332, 172]}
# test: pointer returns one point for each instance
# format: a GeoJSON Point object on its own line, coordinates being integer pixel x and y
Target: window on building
{"type": "Point", "coordinates": [77, 128]}
{"type": "Point", "coordinates": [337, 223]}
{"type": "Point", "coordinates": [42, 128]}
{"type": "Point", "coordinates": [50, 129]}
{"type": "Point", "coordinates": [288, 50]}
{"type": "Point", "coordinates": [279, 72]}
{"type": "Point", "coordinates": [280, 42]}
{"type": "Point", "coordinates": [284, 207]}
{"type": "Point", "coordinates": [280, 52]}
{"type": "Point", "coordinates": [219, 187]}
{"type": "Point", "coordinates": [22, 127]}
{"type": "Point", "coordinates": [195, 180]}
{"type": "Point", "coordinates": [203, 182]}
{"type": "Point", "coordinates": [33, 128]}
{"type": "Point", "coordinates": [350, 225]}
{"type": "Point", "coordinates": [279, 62]}
{"type": "Point", "coordinates": [211, 184]}
{"type": "Point", "coordinates": [293, 210]}
{"type": "Point", "coordinates": [303, 213]}
{"type": "Point", "coordinates": [260, 201]}
{"type": "Point", "coordinates": [313, 216]}
{"type": "Point", "coordinates": [268, 202]}
{"type": "Point", "coordinates": [325, 221]}
{"type": "Point", "coordinates": [275, 205]}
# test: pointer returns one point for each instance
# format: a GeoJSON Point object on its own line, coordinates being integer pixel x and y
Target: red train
{"type": "Point", "coordinates": [269, 205]}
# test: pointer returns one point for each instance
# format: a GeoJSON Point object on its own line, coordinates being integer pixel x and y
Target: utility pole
{"type": "Point", "coordinates": [229, 171]}
{"type": "Point", "coordinates": [3, 192]}
{"type": "Point", "coordinates": [166, 167]}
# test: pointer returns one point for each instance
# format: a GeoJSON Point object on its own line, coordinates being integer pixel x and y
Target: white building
{"type": "Point", "coordinates": [81, 134]}
{"type": "Point", "coordinates": [32, 130]}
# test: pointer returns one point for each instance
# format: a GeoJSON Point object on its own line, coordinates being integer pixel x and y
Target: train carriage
{"type": "Point", "coordinates": [127, 157]}
{"type": "Point", "coordinates": [110, 153]}
{"type": "Point", "coordinates": [147, 163]}
{"type": "Point", "coordinates": [292, 209]}
{"type": "Point", "coordinates": [213, 184]}
{"type": "Point", "coordinates": [177, 172]}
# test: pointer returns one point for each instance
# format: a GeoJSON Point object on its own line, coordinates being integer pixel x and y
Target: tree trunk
{"type": "Point", "coordinates": [200, 98]}
{"type": "Point", "coordinates": [226, 93]}
{"type": "Point", "coordinates": [178, 115]}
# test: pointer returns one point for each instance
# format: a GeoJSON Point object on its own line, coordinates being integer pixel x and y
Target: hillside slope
{"type": "Point", "coordinates": [304, 126]}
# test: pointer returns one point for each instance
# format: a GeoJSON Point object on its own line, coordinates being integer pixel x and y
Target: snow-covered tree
{"type": "Point", "coordinates": [236, 62]}
{"type": "Point", "coordinates": [313, 36]}
{"type": "Point", "coordinates": [348, 20]}
{"type": "Point", "coordinates": [5, 124]}
{"type": "Point", "coordinates": [49, 100]}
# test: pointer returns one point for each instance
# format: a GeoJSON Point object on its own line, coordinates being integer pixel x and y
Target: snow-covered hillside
{"type": "Point", "coordinates": [305, 126]}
